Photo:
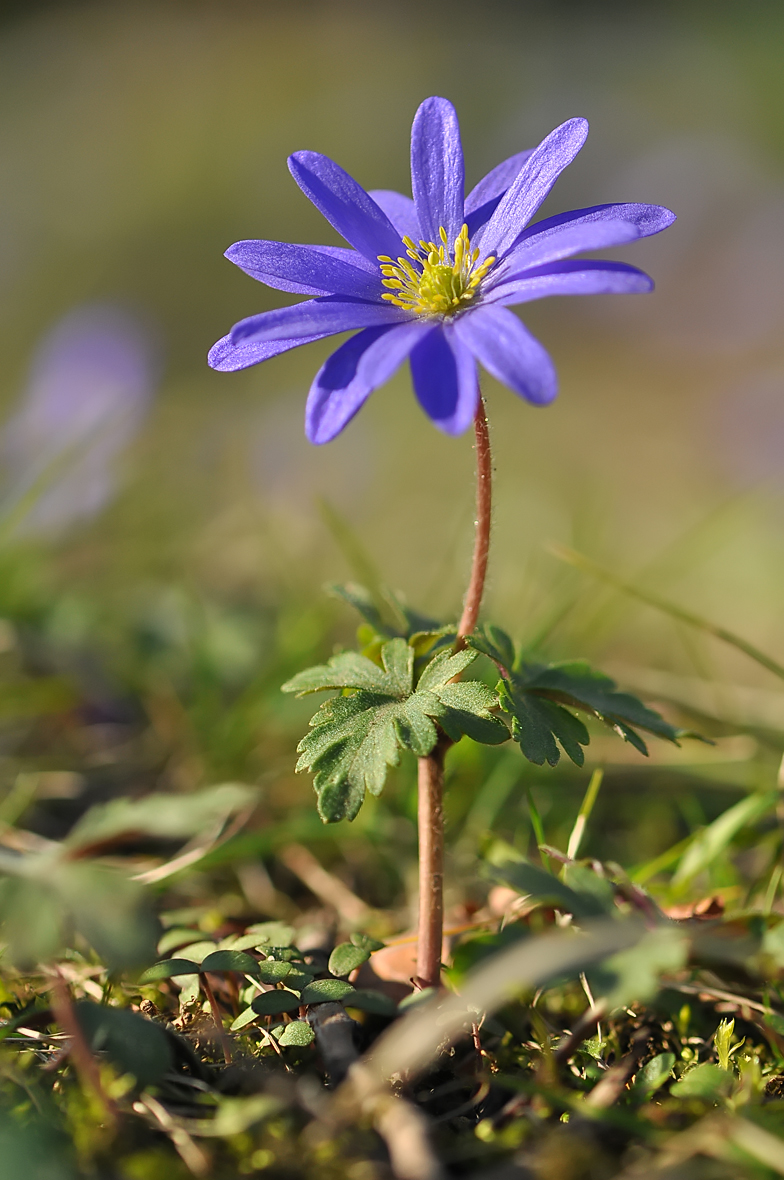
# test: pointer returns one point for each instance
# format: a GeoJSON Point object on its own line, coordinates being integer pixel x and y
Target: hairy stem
{"type": "Point", "coordinates": [484, 481]}
{"type": "Point", "coordinates": [431, 769]}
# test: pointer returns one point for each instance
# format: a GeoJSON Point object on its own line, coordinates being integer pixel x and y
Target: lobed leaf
{"type": "Point", "coordinates": [540, 698]}
{"type": "Point", "coordinates": [355, 739]}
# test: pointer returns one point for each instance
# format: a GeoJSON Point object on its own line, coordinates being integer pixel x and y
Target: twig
{"type": "Point", "coordinates": [190, 1153]}
{"type": "Point", "coordinates": [325, 886]}
{"type": "Point", "coordinates": [608, 1090]}
{"type": "Point", "coordinates": [85, 1064]}
{"type": "Point", "coordinates": [217, 1016]}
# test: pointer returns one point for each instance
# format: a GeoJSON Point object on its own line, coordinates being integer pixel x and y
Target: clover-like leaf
{"type": "Point", "coordinates": [346, 958]}
{"type": "Point", "coordinates": [230, 961]}
{"type": "Point", "coordinates": [369, 1000]}
{"type": "Point", "coordinates": [321, 991]}
{"type": "Point", "coordinates": [275, 1002]}
{"type": "Point", "coordinates": [355, 738]}
{"type": "Point", "coordinates": [169, 969]}
{"type": "Point", "coordinates": [296, 1032]}
{"type": "Point", "coordinates": [243, 1020]}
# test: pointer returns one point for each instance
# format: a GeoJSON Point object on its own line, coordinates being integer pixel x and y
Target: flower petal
{"type": "Point", "coordinates": [649, 219]}
{"type": "Point", "coordinates": [400, 210]}
{"type": "Point", "coordinates": [505, 347]}
{"type": "Point", "coordinates": [559, 242]}
{"type": "Point", "coordinates": [572, 278]}
{"type": "Point", "coordinates": [445, 381]}
{"type": "Point", "coordinates": [345, 204]}
{"type": "Point", "coordinates": [322, 317]}
{"type": "Point", "coordinates": [484, 197]}
{"type": "Point", "coordinates": [228, 357]}
{"type": "Point", "coordinates": [349, 376]}
{"type": "Point", "coordinates": [437, 169]}
{"type": "Point", "coordinates": [308, 270]}
{"type": "Point", "coordinates": [531, 185]}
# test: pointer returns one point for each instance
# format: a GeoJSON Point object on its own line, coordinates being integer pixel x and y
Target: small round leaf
{"type": "Point", "coordinates": [246, 1017]}
{"type": "Point", "coordinates": [346, 958]}
{"type": "Point", "coordinates": [368, 1000]}
{"type": "Point", "coordinates": [270, 971]}
{"type": "Point", "coordinates": [167, 969]}
{"type": "Point", "coordinates": [230, 961]}
{"type": "Point", "coordinates": [323, 990]}
{"type": "Point", "coordinates": [275, 1002]}
{"type": "Point", "coordinates": [297, 1032]}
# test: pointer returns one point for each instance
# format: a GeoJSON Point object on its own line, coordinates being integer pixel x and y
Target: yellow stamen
{"type": "Point", "coordinates": [436, 281]}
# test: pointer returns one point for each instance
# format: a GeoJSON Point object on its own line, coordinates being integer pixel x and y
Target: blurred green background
{"type": "Point", "coordinates": [138, 141]}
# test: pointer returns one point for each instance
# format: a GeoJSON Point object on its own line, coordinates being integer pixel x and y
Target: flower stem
{"type": "Point", "coordinates": [431, 769]}
{"type": "Point", "coordinates": [484, 481]}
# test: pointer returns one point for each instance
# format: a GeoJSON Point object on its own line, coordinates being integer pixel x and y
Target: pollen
{"type": "Point", "coordinates": [434, 280]}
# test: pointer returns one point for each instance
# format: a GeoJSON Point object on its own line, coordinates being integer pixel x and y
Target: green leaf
{"type": "Point", "coordinates": [366, 942]}
{"type": "Point", "coordinates": [653, 1075]}
{"type": "Point", "coordinates": [493, 642]}
{"type": "Point", "coordinates": [296, 1032]}
{"type": "Point", "coordinates": [230, 961]}
{"type": "Point", "coordinates": [272, 933]}
{"type": "Point", "coordinates": [711, 842]}
{"type": "Point", "coordinates": [112, 912]}
{"type": "Point", "coordinates": [708, 1082]}
{"type": "Point", "coordinates": [168, 969]}
{"type": "Point", "coordinates": [369, 1000]}
{"type": "Point", "coordinates": [530, 880]}
{"type": "Point", "coordinates": [323, 990]}
{"type": "Point", "coordinates": [351, 670]}
{"type": "Point", "coordinates": [633, 976]}
{"type": "Point", "coordinates": [355, 739]}
{"type": "Point", "coordinates": [275, 1002]}
{"type": "Point", "coordinates": [133, 1044]}
{"type": "Point", "coordinates": [243, 1020]}
{"type": "Point", "coordinates": [346, 958]}
{"type": "Point", "coordinates": [297, 980]}
{"type": "Point", "coordinates": [272, 971]}
{"type": "Point", "coordinates": [539, 698]}
{"type": "Point", "coordinates": [176, 938]}
{"type": "Point", "coordinates": [163, 816]}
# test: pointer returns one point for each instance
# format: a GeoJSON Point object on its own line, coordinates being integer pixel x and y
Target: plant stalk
{"type": "Point", "coordinates": [430, 777]}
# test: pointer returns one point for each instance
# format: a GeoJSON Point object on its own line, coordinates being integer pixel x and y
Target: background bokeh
{"type": "Point", "coordinates": [138, 141]}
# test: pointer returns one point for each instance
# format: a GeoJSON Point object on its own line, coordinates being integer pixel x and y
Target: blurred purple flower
{"type": "Point", "coordinates": [431, 279]}
{"type": "Point", "coordinates": [90, 385]}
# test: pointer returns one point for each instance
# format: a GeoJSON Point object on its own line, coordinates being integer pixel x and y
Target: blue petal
{"type": "Point", "coordinates": [649, 219]}
{"type": "Point", "coordinates": [559, 242]}
{"type": "Point", "coordinates": [437, 169]}
{"type": "Point", "coordinates": [345, 204]}
{"type": "Point", "coordinates": [323, 317]}
{"type": "Point", "coordinates": [308, 270]}
{"type": "Point", "coordinates": [349, 376]}
{"type": "Point", "coordinates": [572, 278]}
{"type": "Point", "coordinates": [400, 210]}
{"type": "Point", "coordinates": [228, 357]}
{"type": "Point", "coordinates": [445, 381]}
{"type": "Point", "coordinates": [484, 197]}
{"type": "Point", "coordinates": [505, 347]}
{"type": "Point", "coordinates": [531, 185]}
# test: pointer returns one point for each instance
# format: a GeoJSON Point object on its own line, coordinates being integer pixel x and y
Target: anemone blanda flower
{"type": "Point", "coordinates": [432, 279]}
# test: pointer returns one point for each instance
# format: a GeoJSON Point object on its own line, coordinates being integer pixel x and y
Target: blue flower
{"type": "Point", "coordinates": [431, 279]}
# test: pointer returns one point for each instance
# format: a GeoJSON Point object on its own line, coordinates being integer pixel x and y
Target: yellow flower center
{"type": "Point", "coordinates": [433, 280]}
